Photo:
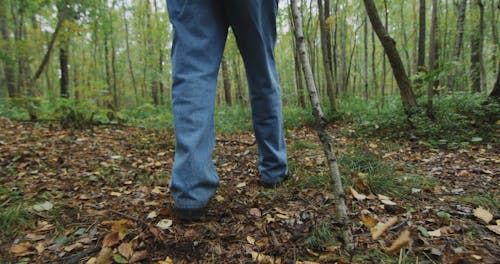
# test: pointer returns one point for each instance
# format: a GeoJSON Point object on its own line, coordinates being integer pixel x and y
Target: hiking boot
{"type": "Point", "coordinates": [189, 214]}
{"type": "Point", "coordinates": [274, 185]}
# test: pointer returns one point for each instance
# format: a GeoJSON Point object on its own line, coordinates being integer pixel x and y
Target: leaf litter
{"type": "Point", "coordinates": [109, 190]}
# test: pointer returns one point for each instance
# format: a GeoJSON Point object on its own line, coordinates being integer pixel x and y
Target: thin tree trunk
{"type": "Point", "coordinates": [458, 43]}
{"type": "Point", "coordinates": [63, 62]}
{"type": "Point", "coordinates": [365, 53]}
{"type": "Point", "coordinates": [407, 96]}
{"type": "Point", "coordinates": [323, 130]}
{"type": "Point", "coordinates": [374, 66]}
{"type": "Point", "coordinates": [477, 49]}
{"type": "Point", "coordinates": [326, 59]}
{"type": "Point", "coordinates": [433, 43]}
{"type": "Point", "coordinates": [8, 61]}
{"type": "Point", "coordinates": [384, 67]}
{"type": "Point", "coordinates": [129, 60]}
{"type": "Point", "coordinates": [495, 93]}
{"type": "Point", "coordinates": [421, 69]}
{"type": "Point", "coordinates": [226, 82]}
{"type": "Point", "coordinates": [240, 97]}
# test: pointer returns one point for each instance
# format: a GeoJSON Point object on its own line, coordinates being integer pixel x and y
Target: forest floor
{"type": "Point", "coordinates": [101, 196]}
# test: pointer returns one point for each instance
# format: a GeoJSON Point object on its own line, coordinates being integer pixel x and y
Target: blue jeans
{"type": "Point", "coordinates": [200, 32]}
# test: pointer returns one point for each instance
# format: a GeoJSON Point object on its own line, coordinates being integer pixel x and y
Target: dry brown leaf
{"type": "Point", "coordinates": [138, 256]}
{"type": "Point", "coordinates": [494, 228]}
{"type": "Point", "coordinates": [125, 249]}
{"type": "Point", "coordinates": [111, 239]}
{"type": "Point", "coordinates": [368, 220]}
{"type": "Point", "coordinates": [168, 260]}
{"type": "Point", "coordinates": [261, 258]}
{"type": "Point", "coordinates": [402, 241]}
{"type": "Point", "coordinates": [357, 180]}
{"type": "Point", "coordinates": [20, 249]}
{"type": "Point", "coordinates": [105, 256]}
{"type": "Point", "coordinates": [380, 228]}
{"type": "Point", "coordinates": [76, 245]}
{"type": "Point", "coordinates": [40, 247]}
{"type": "Point", "coordinates": [358, 196]}
{"type": "Point", "coordinates": [255, 212]}
{"type": "Point", "coordinates": [164, 224]}
{"type": "Point", "coordinates": [483, 214]}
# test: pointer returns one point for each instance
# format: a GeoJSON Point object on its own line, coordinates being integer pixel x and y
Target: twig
{"type": "Point", "coordinates": [6, 202]}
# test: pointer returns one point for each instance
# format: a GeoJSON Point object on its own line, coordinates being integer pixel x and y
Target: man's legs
{"type": "Point", "coordinates": [200, 32]}
{"type": "Point", "coordinates": [254, 25]}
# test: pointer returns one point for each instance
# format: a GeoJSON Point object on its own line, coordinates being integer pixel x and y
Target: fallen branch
{"type": "Point", "coordinates": [322, 128]}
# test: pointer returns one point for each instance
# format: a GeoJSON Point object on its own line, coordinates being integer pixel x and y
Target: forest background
{"type": "Point", "coordinates": [108, 61]}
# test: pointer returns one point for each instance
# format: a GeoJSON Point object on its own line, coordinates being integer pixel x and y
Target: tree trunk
{"type": "Point", "coordinates": [8, 60]}
{"type": "Point", "coordinates": [433, 43]}
{"type": "Point", "coordinates": [240, 97]}
{"type": "Point", "coordinates": [129, 60]}
{"type": "Point", "coordinates": [326, 59]}
{"type": "Point", "coordinates": [63, 62]}
{"type": "Point", "coordinates": [226, 82]}
{"type": "Point", "coordinates": [458, 43]}
{"type": "Point", "coordinates": [407, 96]}
{"type": "Point", "coordinates": [365, 55]}
{"type": "Point", "coordinates": [477, 48]}
{"type": "Point", "coordinates": [322, 129]}
{"type": "Point", "coordinates": [495, 93]}
{"type": "Point", "coordinates": [421, 69]}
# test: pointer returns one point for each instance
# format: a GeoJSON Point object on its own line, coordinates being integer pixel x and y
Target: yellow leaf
{"type": "Point", "coordinates": [483, 214]}
{"type": "Point", "coordinates": [380, 228]}
{"type": "Point", "coordinates": [368, 220]}
{"type": "Point", "coordinates": [435, 233]}
{"type": "Point", "coordinates": [251, 240]}
{"type": "Point", "coordinates": [219, 198]}
{"type": "Point", "coordinates": [138, 256]}
{"type": "Point", "coordinates": [105, 256]}
{"type": "Point", "coordinates": [402, 241]}
{"type": "Point", "coordinates": [168, 260]}
{"type": "Point", "coordinates": [261, 258]}
{"type": "Point", "coordinates": [358, 196]}
{"type": "Point", "coordinates": [494, 228]}
{"type": "Point", "coordinates": [312, 252]}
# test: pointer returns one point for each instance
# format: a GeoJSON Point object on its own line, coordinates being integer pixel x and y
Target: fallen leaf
{"type": "Point", "coordinates": [435, 233]}
{"type": "Point", "coordinates": [368, 220]}
{"type": "Point", "coordinates": [251, 240]}
{"type": "Point", "coordinates": [40, 247]}
{"type": "Point", "coordinates": [312, 252]}
{"type": "Point", "coordinates": [219, 198]}
{"type": "Point", "coordinates": [119, 259]}
{"type": "Point", "coordinates": [241, 184]}
{"type": "Point", "coordinates": [358, 196]}
{"type": "Point", "coordinates": [255, 212]}
{"type": "Point", "coordinates": [73, 247]}
{"type": "Point", "coordinates": [261, 258]}
{"type": "Point", "coordinates": [168, 260]}
{"type": "Point", "coordinates": [159, 190]}
{"type": "Point", "coordinates": [111, 239]}
{"type": "Point", "coordinates": [380, 228]}
{"type": "Point", "coordinates": [35, 237]}
{"type": "Point", "coordinates": [116, 194]}
{"type": "Point", "coordinates": [164, 224]}
{"type": "Point", "coordinates": [125, 249]}
{"type": "Point", "coordinates": [494, 228]}
{"type": "Point", "coordinates": [105, 256]}
{"type": "Point", "coordinates": [152, 214]}
{"type": "Point", "coordinates": [45, 206]}
{"type": "Point", "coordinates": [138, 256]}
{"type": "Point", "coordinates": [402, 241]}
{"type": "Point", "coordinates": [20, 249]}
{"type": "Point", "coordinates": [483, 214]}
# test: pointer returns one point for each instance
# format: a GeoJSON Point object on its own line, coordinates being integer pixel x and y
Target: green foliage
{"type": "Point", "coordinates": [74, 114]}
{"type": "Point", "coordinates": [14, 217]}
{"type": "Point", "coordinates": [322, 235]}
{"type": "Point", "coordinates": [459, 119]}
{"type": "Point", "coordinates": [232, 119]}
{"type": "Point", "coordinates": [381, 177]}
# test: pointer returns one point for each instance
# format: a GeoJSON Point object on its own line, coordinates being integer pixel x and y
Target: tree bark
{"type": "Point", "coordinates": [63, 63]}
{"type": "Point", "coordinates": [477, 48]}
{"type": "Point", "coordinates": [322, 129]}
{"type": "Point", "coordinates": [226, 82]}
{"type": "Point", "coordinates": [433, 43]}
{"type": "Point", "coordinates": [8, 60]}
{"type": "Point", "coordinates": [421, 69]}
{"type": "Point", "coordinates": [405, 89]}
{"type": "Point", "coordinates": [129, 60]}
{"type": "Point", "coordinates": [326, 59]}
{"type": "Point", "coordinates": [458, 43]}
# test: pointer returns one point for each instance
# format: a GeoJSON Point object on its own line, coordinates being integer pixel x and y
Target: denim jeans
{"type": "Point", "coordinates": [200, 32]}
